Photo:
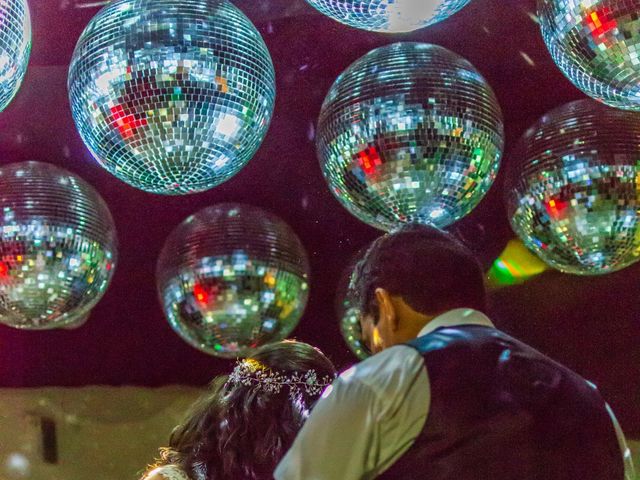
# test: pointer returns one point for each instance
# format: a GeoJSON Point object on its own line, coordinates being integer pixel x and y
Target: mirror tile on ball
{"type": "Point", "coordinates": [15, 47]}
{"type": "Point", "coordinates": [596, 44]}
{"type": "Point", "coordinates": [231, 278]}
{"type": "Point", "coordinates": [172, 96]}
{"type": "Point", "coordinates": [58, 246]}
{"type": "Point", "coordinates": [410, 132]}
{"type": "Point", "coordinates": [389, 16]}
{"type": "Point", "coordinates": [572, 188]}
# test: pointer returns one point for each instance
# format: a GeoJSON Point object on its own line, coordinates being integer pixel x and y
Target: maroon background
{"type": "Point", "coordinates": [591, 324]}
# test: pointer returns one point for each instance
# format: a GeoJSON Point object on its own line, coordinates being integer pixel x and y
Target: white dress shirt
{"type": "Point", "coordinates": [373, 412]}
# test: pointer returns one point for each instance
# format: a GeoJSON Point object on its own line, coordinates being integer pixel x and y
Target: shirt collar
{"type": "Point", "coordinates": [457, 317]}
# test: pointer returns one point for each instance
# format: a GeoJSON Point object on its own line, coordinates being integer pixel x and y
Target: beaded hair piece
{"type": "Point", "coordinates": [249, 372]}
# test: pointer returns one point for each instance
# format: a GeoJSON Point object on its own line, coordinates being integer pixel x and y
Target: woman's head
{"type": "Point", "coordinates": [247, 421]}
{"type": "Point", "coordinates": [293, 368]}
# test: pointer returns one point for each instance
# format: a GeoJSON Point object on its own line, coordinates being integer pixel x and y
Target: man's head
{"type": "Point", "coordinates": [410, 276]}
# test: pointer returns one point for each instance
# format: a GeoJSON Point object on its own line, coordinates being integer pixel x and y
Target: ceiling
{"type": "Point", "coordinates": [591, 324]}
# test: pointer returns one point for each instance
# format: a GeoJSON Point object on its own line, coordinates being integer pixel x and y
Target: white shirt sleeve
{"type": "Point", "coordinates": [629, 471]}
{"type": "Point", "coordinates": [386, 396]}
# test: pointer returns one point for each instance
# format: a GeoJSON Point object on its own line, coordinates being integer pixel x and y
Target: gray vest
{"type": "Point", "coordinates": [501, 410]}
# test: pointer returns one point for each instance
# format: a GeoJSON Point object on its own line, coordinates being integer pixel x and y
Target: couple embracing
{"type": "Point", "coordinates": [446, 396]}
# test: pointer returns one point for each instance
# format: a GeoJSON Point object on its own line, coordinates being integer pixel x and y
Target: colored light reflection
{"type": "Point", "coordinates": [516, 264]}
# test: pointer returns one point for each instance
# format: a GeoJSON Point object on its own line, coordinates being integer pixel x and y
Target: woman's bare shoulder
{"type": "Point", "coordinates": [167, 472]}
{"type": "Point", "coordinates": [154, 476]}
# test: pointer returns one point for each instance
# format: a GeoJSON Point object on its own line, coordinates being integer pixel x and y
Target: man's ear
{"type": "Point", "coordinates": [387, 308]}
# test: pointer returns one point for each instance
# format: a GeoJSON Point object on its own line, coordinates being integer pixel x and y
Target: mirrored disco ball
{"type": "Point", "coordinates": [351, 330]}
{"type": "Point", "coordinates": [410, 132]}
{"type": "Point", "coordinates": [232, 278]}
{"type": "Point", "coordinates": [596, 44]}
{"type": "Point", "coordinates": [388, 15]}
{"type": "Point", "coordinates": [172, 96]}
{"type": "Point", "coordinates": [15, 46]}
{"type": "Point", "coordinates": [58, 246]}
{"type": "Point", "coordinates": [78, 323]}
{"type": "Point", "coordinates": [573, 188]}
{"type": "Point", "coordinates": [348, 314]}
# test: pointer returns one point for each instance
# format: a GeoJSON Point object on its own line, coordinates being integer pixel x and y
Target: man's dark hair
{"type": "Point", "coordinates": [430, 269]}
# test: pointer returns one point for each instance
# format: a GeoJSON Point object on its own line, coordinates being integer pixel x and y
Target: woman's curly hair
{"type": "Point", "coordinates": [240, 432]}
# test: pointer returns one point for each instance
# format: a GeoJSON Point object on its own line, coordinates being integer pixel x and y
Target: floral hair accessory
{"type": "Point", "coordinates": [249, 372]}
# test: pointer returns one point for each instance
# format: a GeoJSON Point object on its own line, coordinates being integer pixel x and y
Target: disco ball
{"type": "Point", "coordinates": [232, 278]}
{"type": "Point", "coordinates": [78, 323]}
{"type": "Point", "coordinates": [348, 314]}
{"type": "Point", "coordinates": [15, 46]}
{"type": "Point", "coordinates": [58, 246]}
{"type": "Point", "coordinates": [573, 188]}
{"type": "Point", "coordinates": [410, 132]}
{"type": "Point", "coordinates": [172, 96]}
{"type": "Point", "coordinates": [596, 44]}
{"type": "Point", "coordinates": [351, 330]}
{"type": "Point", "coordinates": [388, 15]}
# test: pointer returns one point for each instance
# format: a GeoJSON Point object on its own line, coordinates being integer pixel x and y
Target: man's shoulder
{"type": "Point", "coordinates": [383, 367]}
